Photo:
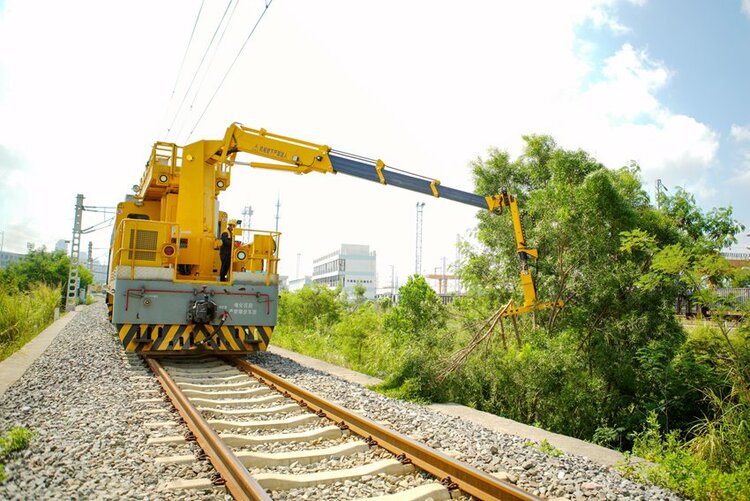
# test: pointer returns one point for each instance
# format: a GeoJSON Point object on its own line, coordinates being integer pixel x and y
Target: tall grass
{"type": "Point", "coordinates": [678, 466]}
{"type": "Point", "coordinates": [23, 315]}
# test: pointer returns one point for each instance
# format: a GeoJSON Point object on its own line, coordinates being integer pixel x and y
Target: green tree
{"type": "Point", "coordinates": [574, 211]}
{"type": "Point", "coordinates": [354, 331]}
{"type": "Point", "coordinates": [712, 230]}
{"type": "Point", "coordinates": [359, 295]}
{"type": "Point", "coordinates": [312, 307]}
{"type": "Point", "coordinates": [419, 311]}
{"type": "Point", "coordinates": [42, 267]}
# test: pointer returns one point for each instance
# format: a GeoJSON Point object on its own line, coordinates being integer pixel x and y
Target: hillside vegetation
{"type": "Point", "coordinates": [614, 365]}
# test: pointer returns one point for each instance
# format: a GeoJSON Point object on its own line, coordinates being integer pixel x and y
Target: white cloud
{"type": "Point", "coordinates": [620, 118]}
{"type": "Point", "coordinates": [739, 133]}
{"type": "Point", "coordinates": [746, 7]}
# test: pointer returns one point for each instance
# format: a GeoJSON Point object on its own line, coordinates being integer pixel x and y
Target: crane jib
{"type": "Point", "coordinates": [366, 170]}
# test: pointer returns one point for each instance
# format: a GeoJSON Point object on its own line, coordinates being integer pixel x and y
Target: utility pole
{"type": "Point", "coordinates": [659, 186]}
{"type": "Point", "coordinates": [297, 273]}
{"type": "Point", "coordinates": [247, 213]}
{"type": "Point", "coordinates": [457, 283]}
{"type": "Point", "coordinates": [445, 276]}
{"type": "Point", "coordinates": [278, 206]}
{"type": "Point", "coordinates": [75, 252]}
{"type": "Point", "coordinates": [90, 260]}
{"type": "Point", "coordinates": [418, 257]}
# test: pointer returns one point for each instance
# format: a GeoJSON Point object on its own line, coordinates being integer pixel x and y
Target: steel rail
{"type": "Point", "coordinates": [239, 482]}
{"type": "Point", "coordinates": [451, 472]}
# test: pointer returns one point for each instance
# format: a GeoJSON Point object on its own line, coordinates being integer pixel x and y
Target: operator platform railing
{"type": "Point", "coordinates": [259, 255]}
{"type": "Point", "coordinates": [140, 242]}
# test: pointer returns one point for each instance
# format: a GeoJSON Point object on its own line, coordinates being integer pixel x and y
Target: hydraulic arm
{"type": "Point", "coordinates": [208, 163]}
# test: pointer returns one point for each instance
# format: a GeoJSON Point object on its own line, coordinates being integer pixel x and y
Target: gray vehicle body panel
{"type": "Point", "coordinates": [160, 302]}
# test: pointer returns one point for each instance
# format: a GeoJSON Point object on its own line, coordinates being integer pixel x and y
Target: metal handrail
{"type": "Point", "coordinates": [135, 224]}
{"type": "Point", "coordinates": [270, 256]}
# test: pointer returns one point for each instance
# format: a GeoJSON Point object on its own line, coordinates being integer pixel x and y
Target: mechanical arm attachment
{"type": "Point", "coordinates": [302, 157]}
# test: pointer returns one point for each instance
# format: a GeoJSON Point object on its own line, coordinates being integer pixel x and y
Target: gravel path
{"type": "Point", "coordinates": [564, 477]}
{"type": "Point", "coordinates": [90, 442]}
{"type": "Point", "coordinates": [81, 399]}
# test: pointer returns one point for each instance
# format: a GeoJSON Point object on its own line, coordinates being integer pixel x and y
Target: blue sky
{"type": "Point", "coordinates": [706, 47]}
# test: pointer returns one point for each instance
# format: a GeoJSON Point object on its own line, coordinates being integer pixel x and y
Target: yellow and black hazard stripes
{"type": "Point", "coordinates": [264, 335]}
{"type": "Point", "coordinates": [109, 307]}
{"type": "Point", "coordinates": [143, 338]}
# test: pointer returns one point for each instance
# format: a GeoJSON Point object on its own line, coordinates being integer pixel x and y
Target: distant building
{"type": "Point", "coordinates": [283, 282]}
{"type": "Point", "coordinates": [9, 257]}
{"type": "Point", "coordinates": [99, 272]}
{"type": "Point", "coordinates": [62, 245]}
{"type": "Point", "coordinates": [295, 284]}
{"type": "Point", "coordinates": [347, 266]}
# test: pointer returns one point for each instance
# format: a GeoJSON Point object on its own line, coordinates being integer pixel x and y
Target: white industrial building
{"type": "Point", "coordinates": [9, 257]}
{"type": "Point", "coordinates": [347, 266]}
{"type": "Point", "coordinates": [295, 284]}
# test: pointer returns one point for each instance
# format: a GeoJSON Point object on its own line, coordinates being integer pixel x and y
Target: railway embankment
{"type": "Point", "coordinates": [80, 401]}
{"type": "Point", "coordinates": [596, 453]}
{"type": "Point", "coordinates": [549, 472]}
{"type": "Point", "coordinates": [83, 398]}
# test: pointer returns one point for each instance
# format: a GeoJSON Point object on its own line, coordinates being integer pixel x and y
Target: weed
{"type": "Point", "coordinates": [15, 440]}
{"type": "Point", "coordinates": [544, 447]}
{"type": "Point", "coordinates": [681, 470]}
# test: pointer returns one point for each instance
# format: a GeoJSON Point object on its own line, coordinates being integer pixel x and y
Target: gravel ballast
{"type": "Point", "coordinates": [563, 477]}
{"type": "Point", "coordinates": [90, 439]}
{"type": "Point", "coordinates": [82, 399]}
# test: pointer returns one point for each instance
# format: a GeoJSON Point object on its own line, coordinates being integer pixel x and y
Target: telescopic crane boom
{"type": "Point", "coordinates": [208, 163]}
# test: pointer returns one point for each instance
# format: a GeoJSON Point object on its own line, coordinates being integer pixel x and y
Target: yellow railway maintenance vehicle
{"type": "Point", "coordinates": [164, 294]}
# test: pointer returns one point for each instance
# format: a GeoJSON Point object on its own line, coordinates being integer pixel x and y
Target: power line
{"type": "Point", "coordinates": [265, 9]}
{"type": "Point", "coordinates": [208, 67]}
{"type": "Point", "coordinates": [213, 56]}
{"type": "Point", "coordinates": [184, 56]}
{"type": "Point", "coordinates": [195, 74]}
{"type": "Point", "coordinates": [99, 226]}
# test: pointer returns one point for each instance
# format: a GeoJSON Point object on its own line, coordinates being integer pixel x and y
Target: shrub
{"type": "Point", "coordinates": [679, 469]}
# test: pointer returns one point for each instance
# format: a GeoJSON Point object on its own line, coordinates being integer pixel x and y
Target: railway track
{"type": "Point", "coordinates": [270, 439]}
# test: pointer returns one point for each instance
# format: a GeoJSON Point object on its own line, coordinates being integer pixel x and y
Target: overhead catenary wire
{"type": "Point", "coordinates": [197, 70]}
{"type": "Point", "coordinates": [213, 55]}
{"type": "Point", "coordinates": [208, 67]}
{"type": "Point", "coordinates": [98, 226]}
{"type": "Point", "coordinates": [229, 69]}
{"type": "Point", "coordinates": [184, 56]}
